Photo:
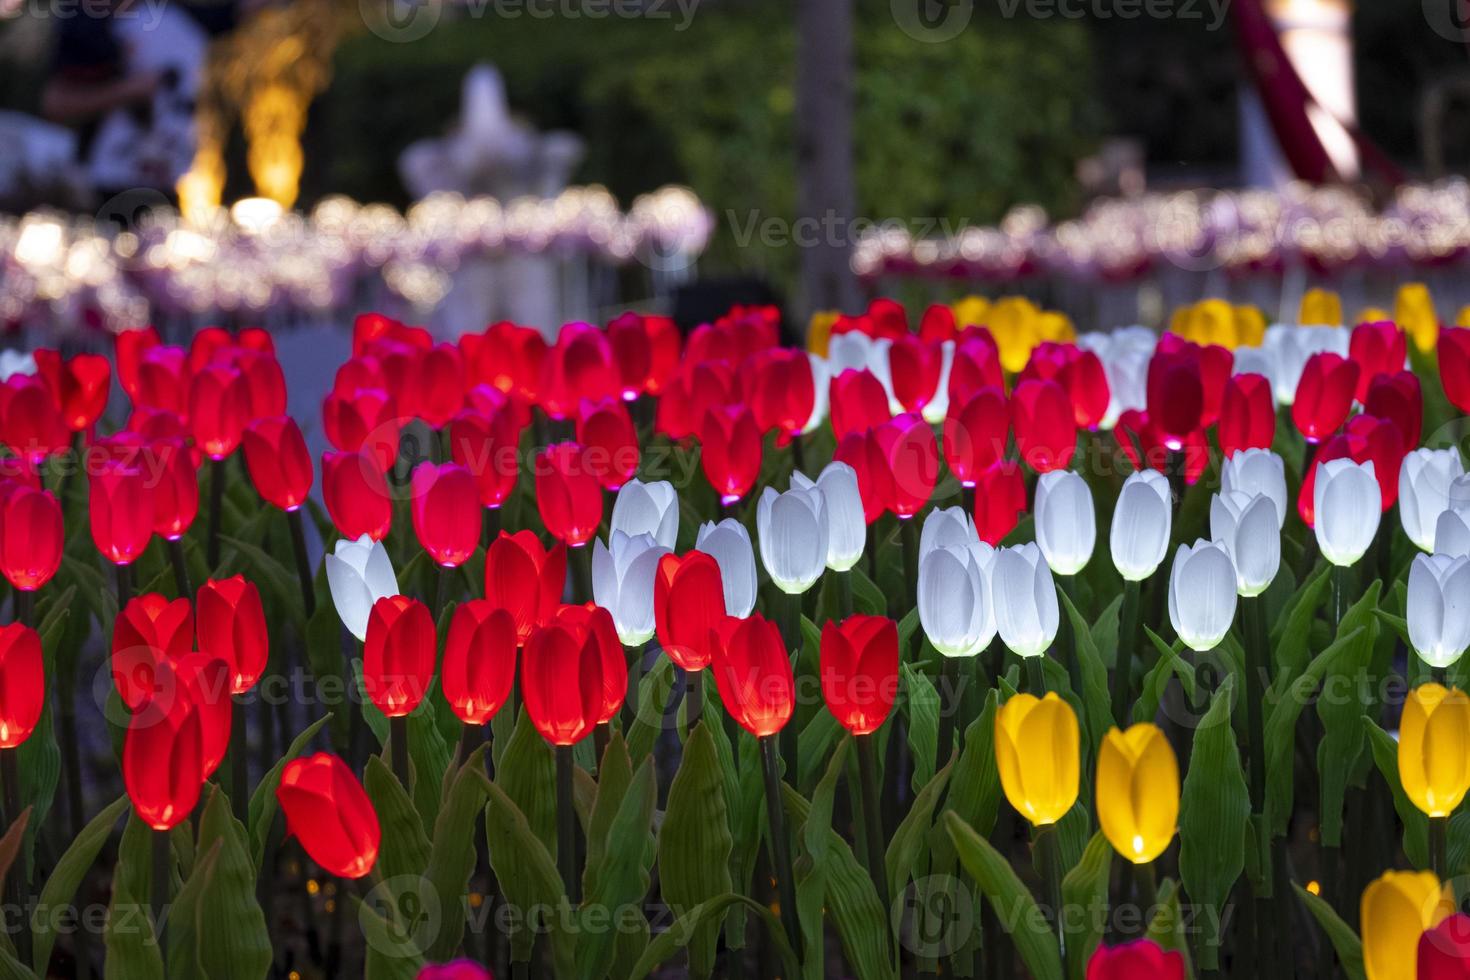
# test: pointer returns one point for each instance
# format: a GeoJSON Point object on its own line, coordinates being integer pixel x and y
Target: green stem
{"type": "Point", "coordinates": [124, 585]}
{"type": "Point", "coordinates": [492, 525]}
{"type": "Point", "coordinates": [566, 825]}
{"type": "Point", "coordinates": [872, 816]}
{"type": "Point", "coordinates": [693, 697]}
{"type": "Point", "coordinates": [441, 589]}
{"type": "Point", "coordinates": [909, 532]}
{"type": "Point", "coordinates": [1048, 855]}
{"type": "Point", "coordinates": [181, 569]}
{"type": "Point", "coordinates": [949, 705]}
{"type": "Point", "coordinates": [1066, 641]}
{"type": "Point", "coordinates": [398, 739]}
{"type": "Point", "coordinates": [216, 510]}
{"type": "Point", "coordinates": [1035, 676]}
{"type": "Point", "coordinates": [303, 562]}
{"type": "Point", "coordinates": [15, 881]}
{"type": "Point", "coordinates": [162, 868]}
{"type": "Point", "coordinates": [581, 559]}
{"type": "Point", "coordinates": [1439, 846]}
{"type": "Point", "coordinates": [780, 847]}
{"type": "Point", "coordinates": [239, 768]}
{"type": "Point", "coordinates": [1123, 662]}
{"type": "Point", "coordinates": [25, 607]}
{"type": "Point", "coordinates": [844, 592]}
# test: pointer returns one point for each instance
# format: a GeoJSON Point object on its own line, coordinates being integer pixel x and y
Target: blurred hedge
{"type": "Point", "coordinates": [958, 130]}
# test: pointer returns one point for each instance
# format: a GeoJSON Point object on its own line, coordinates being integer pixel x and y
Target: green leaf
{"type": "Point", "coordinates": [275, 579]}
{"type": "Point", "coordinates": [527, 874]}
{"type": "Point", "coordinates": [11, 968]}
{"type": "Point", "coordinates": [132, 950]}
{"type": "Point", "coordinates": [405, 848]}
{"type": "Point", "coordinates": [1214, 810]}
{"type": "Point", "coordinates": [866, 597]}
{"type": "Point", "coordinates": [61, 888]}
{"type": "Point", "coordinates": [1345, 942]}
{"type": "Point", "coordinates": [694, 844]}
{"type": "Point", "coordinates": [1416, 825]}
{"type": "Point", "coordinates": [653, 698]}
{"type": "Point", "coordinates": [263, 802]}
{"type": "Point", "coordinates": [1085, 887]}
{"type": "Point", "coordinates": [811, 865]}
{"type": "Point", "coordinates": [452, 852]}
{"type": "Point", "coordinates": [234, 942]}
{"type": "Point", "coordinates": [1013, 904]}
{"type": "Point", "coordinates": [1291, 637]}
{"type": "Point", "coordinates": [1096, 700]}
{"type": "Point", "coordinates": [921, 707]}
{"type": "Point", "coordinates": [429, 755]}
{"type": "Point", "coordinates": [527, 773]}
{"type": "Point", "coordinates": [906, 847]}
{"type": "Point", "coordinates": [812, 746]}
{"type": "Point", "coordinates": [389, 925]}
{"type": "Point", "coordinates": [622, 877]}
{"type": "Point", "coordinates": [1156, 681]}
{"type": "Point", "coordinates": [183, 916]}
{"type": "Point", "coordinates": [614, 776]}
{"type": "Point", "coordinates": [1168, 927]}
{"type": "Point", "coordinates": [678, 935]}
{"type": "Point", "coordinates": [1350, 681]}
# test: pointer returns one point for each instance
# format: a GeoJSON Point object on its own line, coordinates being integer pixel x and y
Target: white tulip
{"type": "Point", "coordinates": [622, 583]}
{"type": "Point", "coordinates": [937, 407]}
{"type": "Point", "coordinates": [729, 544]}
{"type": "Point", "coordinates": [1257, 472]}
{"type": "Point", "coordinates": [1438, 608]}
{"type": "Point", "coordinates": [822, 382]}
{"type": "Point", "coordinates": [647, 508]}
{"type": "Point", "coordinates": [847, 528]}
{"type": "Point", "coordinates": [1025, 600]}
{"type": "Point", "coordinates": [1256, 360]}
{"type": "Point", "coordinates": [1202, 594]}
{"type": "Point", "coordinates": [1066, 526]}
{"type": "Point", "coordinates": [1424, 491]}
{"type": "Point", "coordinates": [1452, 534]}
{"type": "Point", "coordinates": [16, 362]}
{"type": "Point", "coordinates": [1289, 348]}
{"type": "Point", "coordinates": [359, 574]}
{"type": "Point", "coordinates": [1347, 505]}
{"type": "Point", "coordinates": [1139, 537]}
{"type": "Point", "coordinates": [954, 597]}
{"type": "Point", "coordinates": [1246, 526]}
{"type": "Point", "coordinates": [792, 528]}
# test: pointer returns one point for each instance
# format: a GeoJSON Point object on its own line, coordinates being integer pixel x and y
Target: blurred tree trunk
{"type": "Point", "coordinates": [825, 196]}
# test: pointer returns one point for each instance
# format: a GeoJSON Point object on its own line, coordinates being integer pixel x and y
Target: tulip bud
{"type": "Point", "coordinates": [1347, 505]}
{"type": "Point", "coordinates": [1424, 492]}
{"type": "Point", "coordinates": [1454, 366]}
{"type": "Point", "coordinates": [1247, 414]}
{"type": "Point", "coordinates": [203, 681]}
{"type": "Point", "coordinates": [1324, 395]}
{"type": "Point", "coordinates": [1000, 500]}
{"type": "Point", "coordinates": [912, 457]}
{"type": "Point", "coordinates": [592, 624]}
{"type": "Point", "coordinates": [1246, 527]}
{"type": "Point", "coordinates": [606, 429]}
{"type": "Point", "coordinates": [1444, 951]}
{"type": "Point", "coordinates": [525, 579]}
{"type": "Point", "coordinates": [359, 574]}
{"type": "Point", "coordinates": [176, 492]}
{"type": "Point", "coordinates": [954, 592]}
{"type": "Point", "coordinates": [280, 467]}
{"type": "Point", "coordinates": [163, 380]}
{"type": "Point", "coordinates": [487, 444]}
{"type": "Point", "coordinates": [567, 493]}
{"type": "Point", "coordinates": [129, 347]}
{"type": "Point", "coordinates": [327, 810]}
{"type": "Point", "coordinates": [753, 674]}
{"type": "Point", "coordinates": [479, 661]}
{"type": "Point", "coordinates": [730, 451]}
{"type": "Point", "coordinates": [579, 365]}
{"type": "Point", "coordinates": [148, 631]}
{"type": "Point", "coordinates": [1398, 399]}
{"type": "Point", "coordinates": [1202, 594]}
{"type": "Point", "coordinates": [1141, 959]}
{"type": "Point", "coordinates": [163, 762]}
{"type": "Point", "coordinates": [22, 683]}
{"type": "Point", "coordinates": [440, 385]}
{"type": "Point", "coordinates": [647, 508]}
{"type": "Point", "coordinates": [30, 423]}
{"type": "Point", "coordinates": [1066, 527]}
{"type": "Point", "coordinates": [120, 506]}
{"type": "Point", "coordinates": [1257, 472]}
{"type": "Point", "coordinates": [446, 512]}
{"type": "Point", "coordinates": [864, 454]}
{"type": "Point", "coordinates": [1434, 748]}
{"type": "Point", "coordinates": [364, 419]}
{"type": "Point", "coordinates": [729, 543]}
{"type": "Point", "coordinates": [688, 607]}
{"type": "Point", "coordinates": [357, 496]}
{"type": "Point", "coordinates": [859, 671]}
{"type": "Point", "coordinates": [847, 528]}
{"type": "Point", "coordinates": [622, 583]}
{"type": "Point", "coordinates": [1452, 534]}
{"type": "Point", "coordinates": [79, 385]}
{"type": "Point", "coordinates": [914, 367]}
{"type": "Point", "coordinates": [858, 402]}
{"type": "Point", "coordinates": [231, 624]}
{"type": "Point", "coordinates": [562, 682]}
{"type": "Point", "coordinates": [1139, 537]}
{"type": "Point", "coordinates": [1438, 610]}
{"type": "Point", "coordinates": [31, 536]}
{"type": "Point", "coordinates": [975, 433]}
{"type": "Point", "coordinates": [456, 970]}
{"type": "Point", "coordinates": [1138, 791]}
{"type": "Point", "coordinates": [219, 409]}
{"type": "Point", "coordinates": [792, 528]}
{"type": "Point", "coordinates": [1045, 425]}
{"type": "Point", "coordinates": [1396, 909]}
{"type": "Point", "coordinates": [1026, 613]}
{"type": "Point", "coordinates": [398, 654]}
{"type": "Point", "coordinates": [1037, 751]}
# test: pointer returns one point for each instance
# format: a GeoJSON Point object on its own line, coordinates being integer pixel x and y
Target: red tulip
{"type": "Point", "coordinates": [372, 329]}
{"type": "Point", "coordinates": [1444, 951]}
{"type": "Point", "coordinates": [202, 680]}
{"type": "Point", "coordinates": [400, 367]}
{"type": "Point", "coordinates": [1176, 394]}
{"type": "Point", "coordinates": [506, 356]}
{"type": "Point", "coordinates": [398, 654]}
{"type": "Point", "coordinates": [1324, 395]}
{"type": "Point", "coordinates": [914, 366]}
{"type": "Point", "coordinates": [156, 425]}
{"type": "Point", "coordinates": [591, 620]}
{"type": "Point", "coordinates": [1377, 348]}
{"type": "Point", "coordinates": [328, 811]}
{"type": "Point", "coordinates": [488, 446]}
{"type": "Point", "coordinates": [31, 425]}
{"type": "Point", "coordinates": [975, 433]}
{"type": "Point", "coordinates": [580, 365]}
{"type": "Point", "coordinates": [456, 970]}
{"type": "Point", "coordinates": [858, 402]}
{"type": "Point", "coordinates": [265, 382]}
{"type": "Point", "coordinates": [219, 409]}
{"type": "Point", "coordinates": [163, 762]}
{"type": "Point", "coordinates": [567, 494]}
{"type": "Point", "coordinates": [735, 336]}
{"type": "Point", "coordinates": [231, 624]}
{"type": "Point", "coordinates": [163, 380]}
{"type": "Point", "coordinates": [22, 683]}
{"type": "Point", "coordinates": [1044, 424]}
{"type": "Point", "coordinates": [79, 385]}
{"type": "Point", "coordinates": [479, 660]}
{"type": "Point", "coordinates": [562, 683]}
{"type": "Point", "coordinates": [665, 344]}
{"type": "Point", "coordinates": [280, 466]}
{"type": "Point", "coordinates": [440, 385]}
{"type": "Point", "coordinates": [730, 451]}
{"type": "Point", "coordinates": [1247, 414]}
{"type": "Point", "coordinates": [888, 318]}
{"type": "Point", "coordinates": [606, 429]}
{"type": "Point", "coordinates": [1365, 438]}
{"type": "Point", "coordinates": [1396, 396]}
{"type": "Point", "coordinates": [859, 668]}
{"type": "Point", "coordinates": [688, 606]}
{"type": "Point", "coordinates": [120, 506]}
{"type": "Point", "coordinates": [176, 492]}
{"type": "Point", "coordinates": [1142, 959]}
{"type": "Point", "coordinates": [938, 323]}
{"type": "Point", "coordinates": [129, 347]}
{"type": "Point", "coordinates": [912, 455]}
{"type": "Point", "coordinates": [779, 386]}
{"type": "Point", "coordinates": [446, 512]}
{"type": "Point", "coordinates": [365, 419]}
{"type": "Point", "coordinates": [976, 365]}
{"type": "Point", "coordinates": [356, 493]}
{"type": "Point", "coordinates": [149, 630]}
{"type": "Point", "coordinates": [753, 673]}
{"type": "Point", "coordinates": [1454, 366]}
{"type": "Point", "coordinates": [1000, 500]}
{"type": "Point", "coordinates": [206, 344]}
{"type": "Point", "coordinates": [693, 390]}
{"type": "Point", "coordinates": [632, 351]}
{"type": "Point", "coordinates": [31, 536]}
{"type": "Point", "coordinates": [525, 579]}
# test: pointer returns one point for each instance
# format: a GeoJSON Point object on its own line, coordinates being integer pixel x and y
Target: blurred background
{"type": "Point", "coordinates": [459, 161]}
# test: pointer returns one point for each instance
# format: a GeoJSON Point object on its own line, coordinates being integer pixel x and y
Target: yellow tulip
{"type": "Point", "coordinates": [1434, 748]}
{"type": "Point", "coordinates": [1396, 910]}
{"type": "Point", "coordinates": [1056, 327]}
{"type": "Point", "coordinates": [819, 331]}
{"type": "Point", "coordinates": [1013, 323]}
{"type": "Point", "coordinates": [1037, 751]}
{"type": "Point", "coordinates": [972, 311]}
{"type": "Point", "coordinates": [1373, 314]}
{"type": "Point", "coordinates": [1413, 311]}
{"type": "Point", "coordinates": [1250, 326]}
{"type": "Point", "coordinates": [1462, 319]}
{"type": "Point", "coordinates": [1138, 791]}
{"type": "Point", "coordinates": [1213, 323]}
{"type": "Point", "coordinates": [1320, 307]}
